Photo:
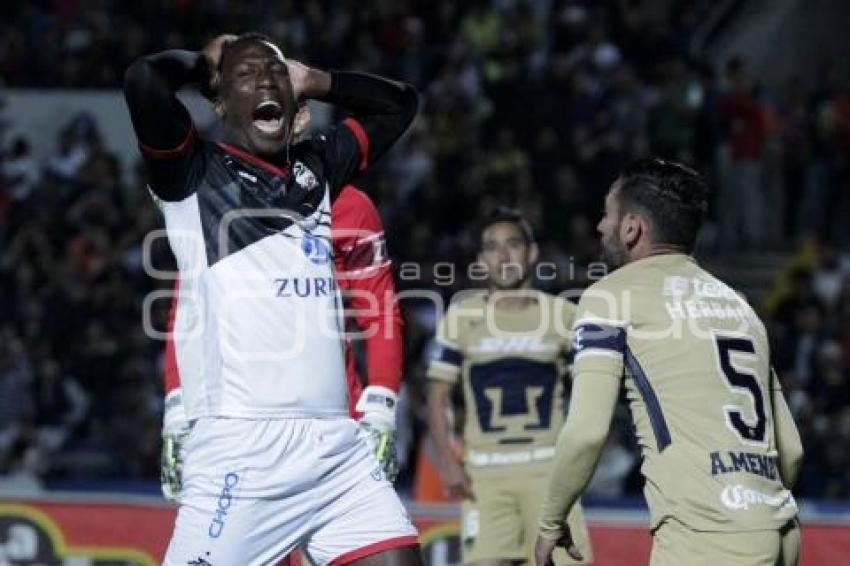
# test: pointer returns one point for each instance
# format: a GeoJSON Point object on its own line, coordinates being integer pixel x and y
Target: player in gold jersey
{"type": "Point", "coordinates": [507, 348]}
{"type": "Point", "coordinates": [720, 449]}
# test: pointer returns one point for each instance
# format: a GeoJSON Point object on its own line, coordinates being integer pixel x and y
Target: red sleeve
{"type": "Point", "coordinates": [364, 269]}
{"type": "Point", "coordinates": [171, 373]}
{"type": "Point", "coordinates": [362, 142]}
{"type": "Point", "coordinates": [181, 150]}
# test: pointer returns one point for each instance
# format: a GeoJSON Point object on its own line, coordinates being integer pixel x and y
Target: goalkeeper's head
{"type": "Point", "coordinates": [252, 93]}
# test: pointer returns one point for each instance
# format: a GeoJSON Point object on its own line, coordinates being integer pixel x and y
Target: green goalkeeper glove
{"type": "Point", "coordinates": [175, 429]}
{"type": "Point", "coordinates": [378, 405]}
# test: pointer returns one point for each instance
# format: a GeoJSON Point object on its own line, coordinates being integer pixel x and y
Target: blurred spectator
{"type": "Point", "coordinates": [799, 345]}
{"type": "Point", "coordinates": [801, 294]}
{"type": "Point", "coordinates": [20, 172]}
{"type": "Point", "coordinates": [810, 328]}
{"type": "Point", "coordinates": [61, 405]}
{"type": "Point", "coordinates": [823, 182]}
{"type": "Point", "coordinates": [742, 198]}
{"type": "Point", "coordinates": [674, 117]}
{"type": "Point", "coordinates": [482, 27]}
{"type": "Point", "coordinates": [830, 274]}
{"type": "Point", "coordinates": [17, 407]}
{"type": "Point", "coordinates": [796, 154]}
{"type": "Point", "coordinates": [76, 142]}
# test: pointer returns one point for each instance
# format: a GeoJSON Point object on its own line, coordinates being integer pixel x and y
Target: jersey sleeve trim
{"type": "Point", "coordinates": [447, 355]}
{"type": "Point", "coordinates": [603, 321]}
{"type": "Point", "coordinates": [254, 160]}
{"type": "Point", "coordinates": [604, 353]}
{"type": "Point", "coordinates": [175, 152]}
{"type": "Point", "coordinates": [599, 336]}
{"type": "Point", "coordinates": [650, 400]}
{"type": "Point", "coordinates": [367, 254]}
{"type": "Point", "coordinates": [362, 140]}
{"type": "Point", "coordinates": [440, 371]}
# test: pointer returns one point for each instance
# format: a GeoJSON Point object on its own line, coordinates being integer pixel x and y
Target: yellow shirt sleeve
{"type": "Point", "coordinates": [600, 340]}
{"type": "Point", "coordinates": [447, 356]}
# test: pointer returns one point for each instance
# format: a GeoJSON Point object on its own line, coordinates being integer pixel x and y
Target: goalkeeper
{"type": "Point", "coordinates": [272, 461]}
{"type": "Point", "coordinates": [364, 275]}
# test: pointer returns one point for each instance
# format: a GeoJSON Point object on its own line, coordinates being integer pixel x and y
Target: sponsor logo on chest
{"type": "Point", "coordinates": [304, 177]}
{"type": "Point", "coordinates": [303, 287]}
{"type": "Point", "coordinates": [518, 343]}
{"type": "Point", "coordinates": [316, 249]}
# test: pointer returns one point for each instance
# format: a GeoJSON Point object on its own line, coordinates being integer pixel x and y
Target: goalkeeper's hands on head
{"type": "Point", "coordinates": [378, 406]}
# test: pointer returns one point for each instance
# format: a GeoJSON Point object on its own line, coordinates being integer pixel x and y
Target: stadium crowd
{"type": "Point", "coordinates": [530, 104]}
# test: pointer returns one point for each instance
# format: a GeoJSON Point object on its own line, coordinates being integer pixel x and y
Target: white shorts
{"type": "Point", "coordinates": [255, 489]}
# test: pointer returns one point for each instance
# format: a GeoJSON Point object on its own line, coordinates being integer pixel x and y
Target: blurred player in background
{"type": "Point", "coordinates": [273, 461]}
{"type": "Point", "coordinates": [720, 449]}
{"type": "Point", "coordinates": [364, 274]}
{"type": "Point", "coordinates": [507, 348]}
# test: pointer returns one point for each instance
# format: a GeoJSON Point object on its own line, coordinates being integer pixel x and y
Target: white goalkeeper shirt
{"type": "Point", "coordinates": [257, 327]}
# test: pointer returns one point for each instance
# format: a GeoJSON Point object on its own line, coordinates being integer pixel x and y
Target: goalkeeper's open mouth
{"type": "Point", "coordinates": [268, 119]}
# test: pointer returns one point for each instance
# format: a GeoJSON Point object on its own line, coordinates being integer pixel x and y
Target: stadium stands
{"type": "Point", "coordinates": [531, 104]}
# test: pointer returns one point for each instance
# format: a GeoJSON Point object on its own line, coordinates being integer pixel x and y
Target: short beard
{"type": "Point", "coordinates": [615, 255]}
{"type": "Point", "coordinates": [522, 273]}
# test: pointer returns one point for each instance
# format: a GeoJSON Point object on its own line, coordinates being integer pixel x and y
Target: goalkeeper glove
{"type": "Point", "coordinates": [175, 429]}
{"type": "Point", "coordinates": [378, 405]}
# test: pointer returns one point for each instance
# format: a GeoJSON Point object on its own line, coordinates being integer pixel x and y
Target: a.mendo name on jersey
{"type": "Point", "coordinates": [763, 465]}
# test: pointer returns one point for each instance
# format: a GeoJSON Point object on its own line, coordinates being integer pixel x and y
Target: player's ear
{"type": "Point", "coordinates": [218, 106]}
{"type": "Point", "coordinates": [215, 93]}
{"type": "Point", "coordinates": [302, 119]}
{"type": "Point", "coordinates": [533, 252]}
{"type": "Point", "coordinates": [631, 229]}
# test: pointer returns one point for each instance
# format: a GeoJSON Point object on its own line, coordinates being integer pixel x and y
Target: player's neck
{"type": "Point", "coordinates": [646, 250]}
{"type": "Point", "coordinates": [278, 158]}
{"type": "Point", "coordinates": [512, 299]}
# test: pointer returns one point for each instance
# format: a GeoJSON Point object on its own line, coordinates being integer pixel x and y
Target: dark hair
{"type": "Point", "coordinates": [507, 214]}
{"type": "Point", "coordinates": [734, 65]}
{"type": "Point", "coordinates": [250, 36]}
{"type": "Point", "coordinates": [20, 147]}
{"type": "Point", "coordinates": [673, 197]}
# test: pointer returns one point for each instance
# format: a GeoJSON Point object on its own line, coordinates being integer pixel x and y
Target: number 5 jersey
{"type": "Point", "coordinates": [694, 360]}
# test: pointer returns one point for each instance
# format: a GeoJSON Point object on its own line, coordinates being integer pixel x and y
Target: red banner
{"type": "Point", "coordinates": [110, 533]}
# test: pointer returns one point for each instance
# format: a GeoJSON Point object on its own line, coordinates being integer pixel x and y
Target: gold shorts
{"type": "Point", "coordinates": [502, 522]}
{"type": "Point", "coordinates": [674, 544]}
